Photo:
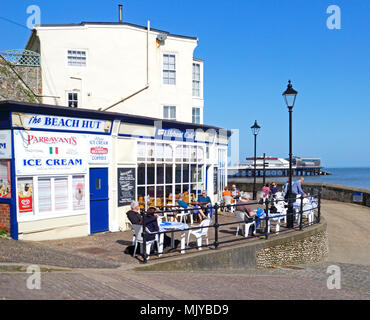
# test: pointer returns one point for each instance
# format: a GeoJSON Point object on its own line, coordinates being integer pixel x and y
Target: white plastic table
{"type": "Point", "coordinates": [171, 227]}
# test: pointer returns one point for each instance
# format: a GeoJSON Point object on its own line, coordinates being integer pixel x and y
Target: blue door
{"type": "Point", "coordinates": [99, 200]}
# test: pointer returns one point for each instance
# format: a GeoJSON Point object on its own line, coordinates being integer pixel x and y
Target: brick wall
{"type": "Point", "coordinates": [5, 216]}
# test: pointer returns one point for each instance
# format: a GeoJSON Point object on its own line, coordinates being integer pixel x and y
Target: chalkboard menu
{"type": "Point", "coordinates": [126, 186]}
{"type": "Point", "coordinates": [215, 180]}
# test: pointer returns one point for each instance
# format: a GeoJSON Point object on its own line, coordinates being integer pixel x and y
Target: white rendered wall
{"type": "Point", "coordinates": [117, 68]}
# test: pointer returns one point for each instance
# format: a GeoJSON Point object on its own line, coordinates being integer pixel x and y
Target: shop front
{"type": "Point", "coordinates": [70, 173]}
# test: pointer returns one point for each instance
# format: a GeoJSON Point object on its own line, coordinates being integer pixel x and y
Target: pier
{"type": "Point", "coordinates": [237, 172]}
{"type": "Point", "coordinates": [277, 167]}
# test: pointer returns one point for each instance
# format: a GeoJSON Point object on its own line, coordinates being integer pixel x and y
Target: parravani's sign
{"type": "Point", "coordinates": [38, 121]}
{"type": "Point", "coordinates": [50, 152]}
{"type": "Point", "coordinates": [175, 134]}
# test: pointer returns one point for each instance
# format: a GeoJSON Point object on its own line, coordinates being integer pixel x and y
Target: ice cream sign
{"type": "Point", "coordinates": [50, 152]}
{"type": "Point", "coordinates": [99, 149]}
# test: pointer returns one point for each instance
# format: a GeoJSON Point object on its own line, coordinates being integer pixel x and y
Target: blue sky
{"type": "Point", "coordinates": [251, 49]}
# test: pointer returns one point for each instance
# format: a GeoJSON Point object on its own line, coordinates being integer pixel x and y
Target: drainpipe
{"type": "Point", "coordinates": [147, 74]}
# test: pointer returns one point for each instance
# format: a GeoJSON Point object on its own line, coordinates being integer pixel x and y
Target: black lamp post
{"type": "Point", "coordinates": [289, 96]}
{"type": "Point", "coordinates": [255, 129]}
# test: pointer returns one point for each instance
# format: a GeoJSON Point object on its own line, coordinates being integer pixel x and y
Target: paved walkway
{"type": "Point", "coordinates": [94, 273]}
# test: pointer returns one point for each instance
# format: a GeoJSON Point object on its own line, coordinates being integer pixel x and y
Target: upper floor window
{"type": "Point", "coordinates": [76, 58]}
{"type": "Point", "coordinates": [169, 69]}
{"type": "Point", "coordinates": [196, 79]}
{"type": "Point", "coordinates": [169, 112]}
{"type": "Point", "coordinates": [72, 99]}
{"type": "Point", "coordinates": [196, 115]}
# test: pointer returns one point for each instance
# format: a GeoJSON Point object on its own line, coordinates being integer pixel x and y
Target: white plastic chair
{"type": "Point", "coordinates": [138, 238]}
{"type": "Point", "coordinates": [199, 233]}
{"type": "Point", "coordinates": [244, 226]}
{"type": "Point", "coordinates": [308, 212]}
{"type": "Point", "coordinates": [280, 206]}
{"type": "Point", "coordinates": [183, 214]}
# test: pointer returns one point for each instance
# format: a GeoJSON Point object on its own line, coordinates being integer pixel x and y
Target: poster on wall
{"type": "Point", "coordinates": [38, 152]}
{"type": "Point", "coordinates": [25, 203]}
{"type": "Point", "coordinates": [5, 144]}
{"type": "Point", "coordinates": [99, 149]}
{"type": "Point", "coordinates": [5, 180]}
{"type": "Point", "coordinates": [126, 186]}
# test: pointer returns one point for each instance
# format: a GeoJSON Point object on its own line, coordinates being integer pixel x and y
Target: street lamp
{"type": "Point", "coordinates": [289, 96]}
{"type": "Point", "coordinates": [255, 129]}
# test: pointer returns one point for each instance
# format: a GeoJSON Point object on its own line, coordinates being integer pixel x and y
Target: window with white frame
{"type": "Point", "coordinates": [167, 170]}
{"type": "Point", "coordinates": [169, 112]}
{"type": "Point", "coordinates": [76, 58]}
{"type": "Point", "coordinates": [196, 80]}
{"type": "Point", "coordinates": [169, 69]}
{"type": "Point", "coordinates": [72, 99]}
{"type": "Point", "coordinates": [196, 115]}
{"type": "Point", "coordinates": [50, 195]}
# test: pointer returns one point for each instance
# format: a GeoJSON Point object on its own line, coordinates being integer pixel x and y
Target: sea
{"type": "Point", "coordinates": [351, 177]}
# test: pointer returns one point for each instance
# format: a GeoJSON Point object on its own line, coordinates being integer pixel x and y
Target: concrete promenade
{"type": "Point", "coordinates": [97, 268]}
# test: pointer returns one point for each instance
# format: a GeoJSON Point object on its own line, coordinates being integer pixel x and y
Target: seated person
{"type": "Point", "coordinates": [266, 189]}
{"type": "Point", "coordinates": [227, 193]}
{"type": "Point", "coordinates": [199, 213]}
{"type": "Point", "coordinates": [151, 223]}
{"type": "Point", "coordinates": [274, 189]}
{"type": "Point", "coordinates": [133, 215]}
{"type": "Point", "coordinates": [204, 202]}
{"type": "Point", "coordinates": [235, 192]}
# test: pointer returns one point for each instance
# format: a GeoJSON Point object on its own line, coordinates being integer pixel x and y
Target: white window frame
{"type": "Point", "coordinates": [196, 81]}
{"type": "Point", "coordinates": [78, 98]}
{"type": "Point", "coordinates": [170, 107]}
{"type": "Point", "coordinates": [68, 55]}
{"type": "Point", "coordinates": [197, 162]}
{"type": "Point", "coordinates": [193, 115]}
{"type": "Point", "coordinates": [37, 215]}
{"type": "Point", "coordinates": [163, 69]}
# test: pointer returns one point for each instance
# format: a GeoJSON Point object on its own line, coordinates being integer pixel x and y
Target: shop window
{"type": "Point", "coordinates": [169, 173]}
{"type": "Point", "coordinates": [168, 170]}
{"type": "Point", "coordinates": [61, 193]}
{"type": "Point", "coordinates": [54, 195]}
{"type": "Point", "coordinates": [160, 173]}
{"type": "Point", "coordinates": [78, 187]}
{"type": "Point", "coordinates": [141, 174]}
{"type": "Point", "coordinates": [150, 174]}
{"type": "Point", "coordinates": [44, 194]}
{"type": "Point", "coordinates": [5, 191]}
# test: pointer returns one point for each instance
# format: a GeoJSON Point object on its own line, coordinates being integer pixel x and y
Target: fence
{"type": "Point", "coordinates": [290, 209]}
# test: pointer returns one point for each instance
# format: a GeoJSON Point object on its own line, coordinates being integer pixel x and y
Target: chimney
{"type": "Point", "coordinates": [120, 13]}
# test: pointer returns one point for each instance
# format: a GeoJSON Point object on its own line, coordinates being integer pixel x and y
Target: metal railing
{"type": "Point", "coordinates": [214, 212]}
{"type": "Point", "coordinates": [22, 57]}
